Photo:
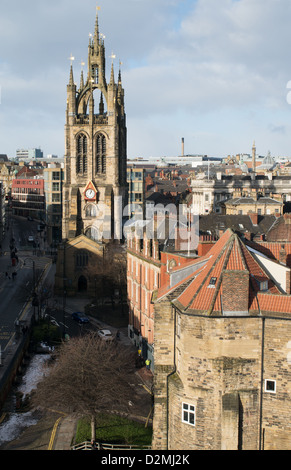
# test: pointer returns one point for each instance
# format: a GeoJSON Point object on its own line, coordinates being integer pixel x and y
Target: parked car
{"type": "Point", "coordinates": [80, 317]}
{"type": "Point", "coordinates": [105, 334]}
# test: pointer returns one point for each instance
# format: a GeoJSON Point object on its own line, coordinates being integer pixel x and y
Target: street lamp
{"type": "Point", "coordinates": [34, 295]}
{"type": "Point", "coordinates": [64, 305]}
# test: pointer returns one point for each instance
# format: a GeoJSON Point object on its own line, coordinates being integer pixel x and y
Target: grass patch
{"type": "Point", "coordinates": [114, 429]}
{"type": "Point", "coordinates": [47, 332]}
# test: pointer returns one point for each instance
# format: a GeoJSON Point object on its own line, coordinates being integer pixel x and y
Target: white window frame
{"type": "Point", "coordinates": [188, 411]}
{"type": "Point", "coordinates": [266, 389]}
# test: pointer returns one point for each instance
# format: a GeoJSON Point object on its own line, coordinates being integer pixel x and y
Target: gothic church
{"type": "Point", "coordinates": [95, 188]}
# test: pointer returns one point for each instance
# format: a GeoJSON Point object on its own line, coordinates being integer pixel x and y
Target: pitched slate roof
{"type": "Point", "coordinates": [202, 290]}
{"type": "Point", "coordinates": [238, 223]}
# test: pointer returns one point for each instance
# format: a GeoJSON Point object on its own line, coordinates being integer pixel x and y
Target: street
{"type": "Point", "coordinates": [17, 278]}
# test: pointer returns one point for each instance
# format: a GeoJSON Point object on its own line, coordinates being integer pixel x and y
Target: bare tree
{"type": "Point", "coordinates": [89, 376]}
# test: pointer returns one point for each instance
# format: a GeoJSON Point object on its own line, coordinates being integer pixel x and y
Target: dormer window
{"type": "Point", "coordinates": [263, 285]}
{"type": "Point", "coordinates": [212, 282]}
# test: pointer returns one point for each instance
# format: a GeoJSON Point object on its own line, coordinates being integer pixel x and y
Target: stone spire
{"type": "Point", "coordinates": [82, 80]}
{"type": "Point", "coordinates": [101, 105]}
{"type": "Point", "coordinates": [71, 82]}
{"type": "Point", "coordinates": [96, 35]}
{"type": "Point", "coordinates": [112, 75]}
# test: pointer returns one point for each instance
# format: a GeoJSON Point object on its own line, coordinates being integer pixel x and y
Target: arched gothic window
{"type": "Point", "coordinates": [101, 154]}
{"type": "Point", "coordinates": [93, 233]}
{"type": "Point", "coordinates": [82, 146]}
{"type": "Point", "coordinates": [91, 210]}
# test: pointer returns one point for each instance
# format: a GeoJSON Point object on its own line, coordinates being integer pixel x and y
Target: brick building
{"type": "Point", "coordinates": [223, 353]}
{"type": "Point", "coordinates": [148, 268]}
{"type": "Point", "coordinates": [28, 195]}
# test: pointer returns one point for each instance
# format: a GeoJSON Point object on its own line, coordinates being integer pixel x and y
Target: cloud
{"type": "Point", "coordinates": [192, 68]}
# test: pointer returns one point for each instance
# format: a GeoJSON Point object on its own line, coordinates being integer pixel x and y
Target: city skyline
{"type": "Point", "coordinates": [215, 73]}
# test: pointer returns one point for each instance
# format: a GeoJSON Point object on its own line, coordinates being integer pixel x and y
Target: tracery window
{"type": "Point", "coordinates": [91, 210]}
{"type": "Point", "coordinates": [101, 154]}
{"type": "Point", "coordinates": [82, 148]}
{"type": "Point", "coordinates": [93, 233]}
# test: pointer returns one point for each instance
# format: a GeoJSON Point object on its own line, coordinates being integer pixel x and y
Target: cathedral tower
{"type": "Point", "coordinates": [95, 189]}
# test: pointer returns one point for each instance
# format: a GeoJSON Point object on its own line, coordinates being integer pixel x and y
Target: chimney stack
{"type": "Point", "coordinates": [235, 292]}
{"type": "Point", "coordinates": [254, 157]}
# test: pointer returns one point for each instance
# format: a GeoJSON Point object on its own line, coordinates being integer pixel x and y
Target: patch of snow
{"type": "Point", "coordinates": [17, 422]}
{"type": "Point", "coordinates": [33, 374]}
{"type": "Point", "coordinates": [13, 427]}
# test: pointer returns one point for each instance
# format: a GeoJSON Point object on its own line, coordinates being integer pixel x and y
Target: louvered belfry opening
{"type": "Point", "coordinates": [101, 154]}
{"type": "Point", "coordinates": [82, 147]}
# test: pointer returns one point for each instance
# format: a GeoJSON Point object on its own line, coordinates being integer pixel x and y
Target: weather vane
{"type": "Point", "coordinates": [71, 58]}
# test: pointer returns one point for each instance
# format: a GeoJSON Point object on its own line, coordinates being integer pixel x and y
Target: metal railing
{"type": "Point", "coordinates": [102, 446]}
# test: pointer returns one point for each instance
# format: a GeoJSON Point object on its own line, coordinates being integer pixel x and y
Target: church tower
{"type": "Point", "coordinates": [95, 188]}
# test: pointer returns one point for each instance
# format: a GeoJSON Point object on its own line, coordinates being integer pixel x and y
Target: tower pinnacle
{"type": "Point", "coordinates": [96, 35]}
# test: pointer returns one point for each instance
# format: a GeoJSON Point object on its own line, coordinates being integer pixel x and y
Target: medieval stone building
{"type": "Point", "coordinates": [95, 188]}
{"type": "Point", "coordinates": [222, 338]}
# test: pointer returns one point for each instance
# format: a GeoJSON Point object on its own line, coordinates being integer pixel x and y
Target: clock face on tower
{"type": "Point", "coordinates": [90, 194]}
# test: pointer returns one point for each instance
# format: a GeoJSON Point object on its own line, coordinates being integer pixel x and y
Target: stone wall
{"type": "Point", "coordinates": [221, 365]}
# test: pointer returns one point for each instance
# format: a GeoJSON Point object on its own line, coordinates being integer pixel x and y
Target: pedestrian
{"type": "Point", "coordinates": [147, 363]}
{"type": "Point", "coordinates": [118, 334]}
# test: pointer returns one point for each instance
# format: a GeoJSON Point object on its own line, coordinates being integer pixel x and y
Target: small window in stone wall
{"type": "Point", "coordinates": [270, 386]}
{"type": "Point", "coordinates": [188, 414]}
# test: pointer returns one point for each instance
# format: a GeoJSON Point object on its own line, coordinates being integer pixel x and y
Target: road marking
{"type": "Point", "coordinates": [53, 435]}
{"type": "Point", "coordinates": [54, 431]}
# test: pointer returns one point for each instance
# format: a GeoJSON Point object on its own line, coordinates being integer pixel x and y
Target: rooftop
{"type": "Point", "coordinates": [201, 292]}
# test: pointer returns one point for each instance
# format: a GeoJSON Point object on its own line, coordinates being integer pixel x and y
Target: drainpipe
{"type": "Point", "coordinates": [169, 375]}
{"type": "Point", "coordinates": [262, 383]}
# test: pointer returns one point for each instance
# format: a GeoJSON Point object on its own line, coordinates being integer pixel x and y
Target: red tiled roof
{"type": "Point", "coordinates": [203, 293]}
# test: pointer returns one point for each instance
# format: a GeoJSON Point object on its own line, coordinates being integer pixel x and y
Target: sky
{"type": "Point", "coordinates": [214, 72]}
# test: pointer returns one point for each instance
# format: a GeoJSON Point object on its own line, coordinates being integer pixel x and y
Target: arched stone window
{"type": "Point", "coordinates": [93, 233]}
{"type": "Point", "coordinates": [82, 148]}
{"type": "Point", "coordinates": [101, 154]}
{"type": "Point", "coordinates": [90, 210]}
